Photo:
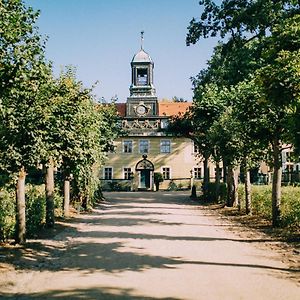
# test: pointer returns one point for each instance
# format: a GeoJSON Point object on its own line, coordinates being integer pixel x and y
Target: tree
{"type": "Point", "coordinates": [23, 72]}
{"type": "Point", "coordinates": [257, 23]}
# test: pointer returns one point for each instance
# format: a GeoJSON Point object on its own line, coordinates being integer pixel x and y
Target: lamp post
{"type": "Point", "coordinates": [193, 188]}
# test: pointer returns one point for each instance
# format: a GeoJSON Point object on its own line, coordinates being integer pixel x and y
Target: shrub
{"type": "Point", "coordinates": [7, 214]}
{"type": "Point", "coordinates": [35, 209]}
{"type": "Point", "coordinates": [262, 203]}
{"type": "Point", "coordinates": [290, 208]}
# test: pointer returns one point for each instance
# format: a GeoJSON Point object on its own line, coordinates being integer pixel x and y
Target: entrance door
{"type": "Point", "coordinates": [145, 179]}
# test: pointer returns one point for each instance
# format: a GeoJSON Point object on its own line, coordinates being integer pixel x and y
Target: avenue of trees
{"type": "Point", "coordinates": [246, 105]}
{"type": "Point", "coordinates": [45, 122]}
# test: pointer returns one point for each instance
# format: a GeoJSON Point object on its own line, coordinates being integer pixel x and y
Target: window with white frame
{"type": "Point", "coordinates": [166, 172]}
{"type": "Point", "coordinates": [127, 173]}
{"type": "Point", "coordinates": [197, 173]}
{"type": "Point", "coordinates": [144, 146]}
{"type": "Point", "coordinates": [108, 173]}
{"type": "Point", "coordinates": [195, 148]}
{"type": "Point", "coordinates": [127, 146]}
{"type": "Point", "coordinates": [165, 146]}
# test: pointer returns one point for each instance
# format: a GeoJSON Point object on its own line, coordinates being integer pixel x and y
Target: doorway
{"type": "Point", "coordinates": [145, 179]}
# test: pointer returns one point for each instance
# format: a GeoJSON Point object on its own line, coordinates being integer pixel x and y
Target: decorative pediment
{"type": "Point", "coordinates": [144, 164]}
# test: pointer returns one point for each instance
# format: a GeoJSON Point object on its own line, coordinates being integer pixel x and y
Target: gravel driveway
{"type": "Point", "coordinates": [148, 246]}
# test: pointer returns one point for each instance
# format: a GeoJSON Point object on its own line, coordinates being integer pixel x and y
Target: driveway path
{"type": "Point", "coordinates": [147, 246]}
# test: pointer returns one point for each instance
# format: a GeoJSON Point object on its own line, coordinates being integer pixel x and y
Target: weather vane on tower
{"type": "Point", "coordinates": [142, 39]}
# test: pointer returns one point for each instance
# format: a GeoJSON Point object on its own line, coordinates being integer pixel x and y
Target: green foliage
{"type": "Point", "coordinates": [58, 204]}
{"type": "Point", "coordinates": [35, 209]}
{"type": "Point", "coordinates": [7, 214]}
{"type": "Point", "coordinates": [262, 203]}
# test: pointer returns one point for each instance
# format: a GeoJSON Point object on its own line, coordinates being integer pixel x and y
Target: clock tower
{"type": "Point", "coordinates": [142, 101]}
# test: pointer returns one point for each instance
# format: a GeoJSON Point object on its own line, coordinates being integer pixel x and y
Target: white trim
{"type": "Point", "coordinates": [148, 146]}
{"type": "Point", "coordinates": [170, 171]}
{"type": "Point", "coordinates": [123, 171]}
{"type": "Point", "coordinates": [112, 172]}
{"type": "Point", "coordinates": [201, 171]}
{"type": "Point", "coordinates": [132, 145]}
{"type": "Point", "coordinates": [160, 144]}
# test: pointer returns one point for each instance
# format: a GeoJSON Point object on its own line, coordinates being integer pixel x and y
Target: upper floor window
{"type": "Point", "coordinates": [127, 173]}
{"type": "Point", "coordinates": [144, 146]}
{"type": "Point", "coordinates": [165, 146]}
{"type": "Point", "coordinates": [108, 173]}
{"type": "Point", "coordinates": [127, 146]}
{"type": "Point", "coordinates": [195, 148]}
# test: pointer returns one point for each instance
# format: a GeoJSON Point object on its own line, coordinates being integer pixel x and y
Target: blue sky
{"type": "Point", "coordinates": [100, 37]}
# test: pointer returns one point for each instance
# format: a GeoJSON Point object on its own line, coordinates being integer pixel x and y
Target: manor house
{"type": "Point", "coordinates": [145, 148]}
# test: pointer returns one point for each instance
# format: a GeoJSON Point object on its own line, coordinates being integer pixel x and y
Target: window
{"type": "Point", "coordinates": [197, 173]}
{"type": "Point", "coordinates": [127, 146]}
{"type": "Point", "coordinates": [108, 171]}
{"type": "Point", "coordinates": [166, 172]}
{"type": "Point", "coordinates": [220, 172]}
{"type": "Point", "coordinates": [142, 77]}
{"type": "Point", "coordinates": [196, 148]}
{"type": "Point", "coordinates": [164, 123]}
{"type": "Point", "coordinates": [127, 173]}
{"type": "Point", "coordinates": [144, 146]}
{"type": "Point", "coordinates": [165, 146]}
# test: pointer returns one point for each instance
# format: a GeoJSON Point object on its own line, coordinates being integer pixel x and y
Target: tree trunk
{"type": "Point", "coordinates": [229, 180]}
{"type": "Point", "coordinates": [276, 184]}
{"type": "Point", "coordinates": [206, 176]}
{"type": "Point", "coordinates": [232, 186]}
{"type": "Point", "coordinates": [217, 181]}
{"type": "Point", "coordinates": [20, 237]}
{"type": "Point", "coordinates": [224, 171]}
{"type": "Point", "coordinates": [248, 192]}
{"type": "Point", "coordinates": [66, 196]}
{"type": "Point", "coordinates": [235, 196]}
{"type": "Point", "coordinates": [50, 194]}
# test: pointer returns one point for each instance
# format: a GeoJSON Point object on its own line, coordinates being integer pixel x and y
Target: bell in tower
{"type": "Point", "coordinates": [142, 101]}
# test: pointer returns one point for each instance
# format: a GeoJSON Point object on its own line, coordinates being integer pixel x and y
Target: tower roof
{"type": "Point", "coordinates": [142, 56]}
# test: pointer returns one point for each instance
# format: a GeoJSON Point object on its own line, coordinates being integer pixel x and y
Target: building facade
{"type": "Point", "coordinates": [145, 148]}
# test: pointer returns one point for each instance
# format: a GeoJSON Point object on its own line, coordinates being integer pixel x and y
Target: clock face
{"type": "Point", "coordinates": [141, 110]}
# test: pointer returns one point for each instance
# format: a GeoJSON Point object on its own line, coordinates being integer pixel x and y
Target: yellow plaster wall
{"type": "Point", "coordinates": [181, 159]}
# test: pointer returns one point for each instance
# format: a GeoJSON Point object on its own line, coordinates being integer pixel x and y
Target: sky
{"type": "Point", "coordinates": [100, 38]}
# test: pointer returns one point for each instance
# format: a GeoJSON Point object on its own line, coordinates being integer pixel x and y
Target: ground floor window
{"type": "Point", "coordinates": [197, 173]}
{"type": "Point", "coordinates": [127, 173]}
{"type": "Point", "coordinates": [108, 173]}
{"type": "Point", "coordinates": [166, 172]}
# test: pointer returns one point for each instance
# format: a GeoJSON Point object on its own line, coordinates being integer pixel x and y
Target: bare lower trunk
{"type": "Point", "coordinates": [248, 192]}
{"type": "Point", "coordinates": [229, 180]}
{"type": "Point", "coordinates": [20, 237]}
{"type": "Point", "coordinates": [206, 176]}
{"type": "Point", "coordinates": [235, 196]}
{"type": "Point", "coordinates": [66, 197]}
{"type": "Point", "coordinates": [50, 194]}
{"type": "Point", "coordinates": [276, 184]}
{"type": "Point", "coordinates": [218, 181]}
{"type": "Point", "coordinates": [232, 185]}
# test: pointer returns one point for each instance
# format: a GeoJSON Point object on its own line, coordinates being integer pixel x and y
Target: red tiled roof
{"type": "Point", "coordinates": [121, 108]}
{"type": "Point", "coordinates": [173, 108]}
{"type": "Point", "coordinates": [164, 108]}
